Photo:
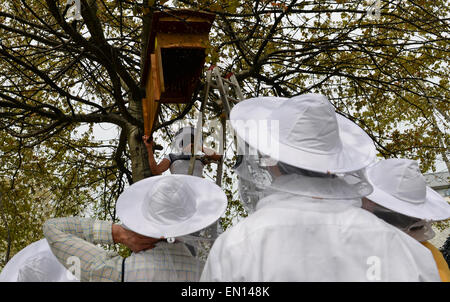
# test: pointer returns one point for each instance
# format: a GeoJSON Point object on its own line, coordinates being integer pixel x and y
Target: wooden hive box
{"type": "Point", "coordinates": [175, 58]}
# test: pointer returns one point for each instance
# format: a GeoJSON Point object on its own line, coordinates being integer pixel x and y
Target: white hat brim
{"type": "Point", "coordinates": [211, 203]}
{"type": "Point", "coordinates": [358, 150]}
{"type": "Point", "coordinates": [433, 208]}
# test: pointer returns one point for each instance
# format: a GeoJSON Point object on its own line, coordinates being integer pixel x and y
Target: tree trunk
{"type": "Point", "coordinates": [138, 154]}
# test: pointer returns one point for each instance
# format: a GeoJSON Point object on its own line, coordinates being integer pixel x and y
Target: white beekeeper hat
{"type": "Point", "coordinates": [399, 186]}
{"type": "Point", "coordinates": [309, 134]}
{"type": "Point", "coordinates": [36, 263]}
{"type": "Point", "coordinates": [170, 206]}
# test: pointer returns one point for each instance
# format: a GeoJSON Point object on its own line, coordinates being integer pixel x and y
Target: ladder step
{"type": "Point", "coordinates": [214, 83]}
{"type": "Point", "coordinates": [226, 86]}
{"type": "Point", "coordinates": [227, 81]}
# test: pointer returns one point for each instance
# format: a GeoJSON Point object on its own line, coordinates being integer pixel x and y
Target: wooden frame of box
{"type": "Point", "coordinates": [175, 59]}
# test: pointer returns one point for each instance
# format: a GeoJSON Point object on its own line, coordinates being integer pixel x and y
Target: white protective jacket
{"type": "Point", "coordinates": [297, 238]}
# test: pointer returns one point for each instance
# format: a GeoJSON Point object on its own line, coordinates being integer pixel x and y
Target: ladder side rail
{"type": "Point", "coordinates": [199, 128]}
{"type": "Point", "coordinates": [222, 91]}
{"type": "Point", "coordinates": [237, 90]}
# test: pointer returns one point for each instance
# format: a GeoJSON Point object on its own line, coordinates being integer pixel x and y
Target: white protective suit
{"type": "Point", "coordinates": [298, 238]}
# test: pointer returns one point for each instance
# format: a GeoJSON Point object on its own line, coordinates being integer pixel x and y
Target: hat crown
{"type": "Point", "coordinates": [40, 267]}
{"type": "Point", "coordinates": [308, 122]}
{"type": "Point", "coordinates": [401, 178]}
{"type": "Point", "coordinates": [169, 202]}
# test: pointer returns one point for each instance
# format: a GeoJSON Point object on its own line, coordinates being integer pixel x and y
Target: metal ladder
{"type": "Point", "coordinates": [227, 87]}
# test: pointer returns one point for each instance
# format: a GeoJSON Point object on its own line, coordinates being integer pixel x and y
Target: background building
{"type": "Point", "coordinates": [440, 182]}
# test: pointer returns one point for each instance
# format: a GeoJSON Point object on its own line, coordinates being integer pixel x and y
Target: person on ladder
{"type": "Point", "coordinates": [178, 160]}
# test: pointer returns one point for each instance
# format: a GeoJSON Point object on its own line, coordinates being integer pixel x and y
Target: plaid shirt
{"type": "Point", "coordinates": [77, 237]}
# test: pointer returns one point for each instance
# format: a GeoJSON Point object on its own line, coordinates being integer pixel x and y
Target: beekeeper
{"type": "Point", "coordinates": [306, 164]}
{"type": "Point", "coordinates": [158, 215]}
{"type": "Point", "coordinates": [402, 198]}
{"type": "Point", "coordinates": [179, 158]}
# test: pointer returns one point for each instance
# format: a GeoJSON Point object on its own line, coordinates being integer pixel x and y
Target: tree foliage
{"type": "Point", "coordinates": [384, 66]}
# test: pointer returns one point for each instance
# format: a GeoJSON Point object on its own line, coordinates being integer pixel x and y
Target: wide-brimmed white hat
{"type": "Point", "coordinates": [36, 263]}
{"type": "Point", "coordinates": [303, 131]}
{"type": "Point", "coordinates": [170, 205]}
{"type": "Point", "coordinates": [399, 186]}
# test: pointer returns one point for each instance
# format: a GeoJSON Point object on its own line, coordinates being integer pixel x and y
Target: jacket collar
{"type": "Point", "coordinates": [289, 200]}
